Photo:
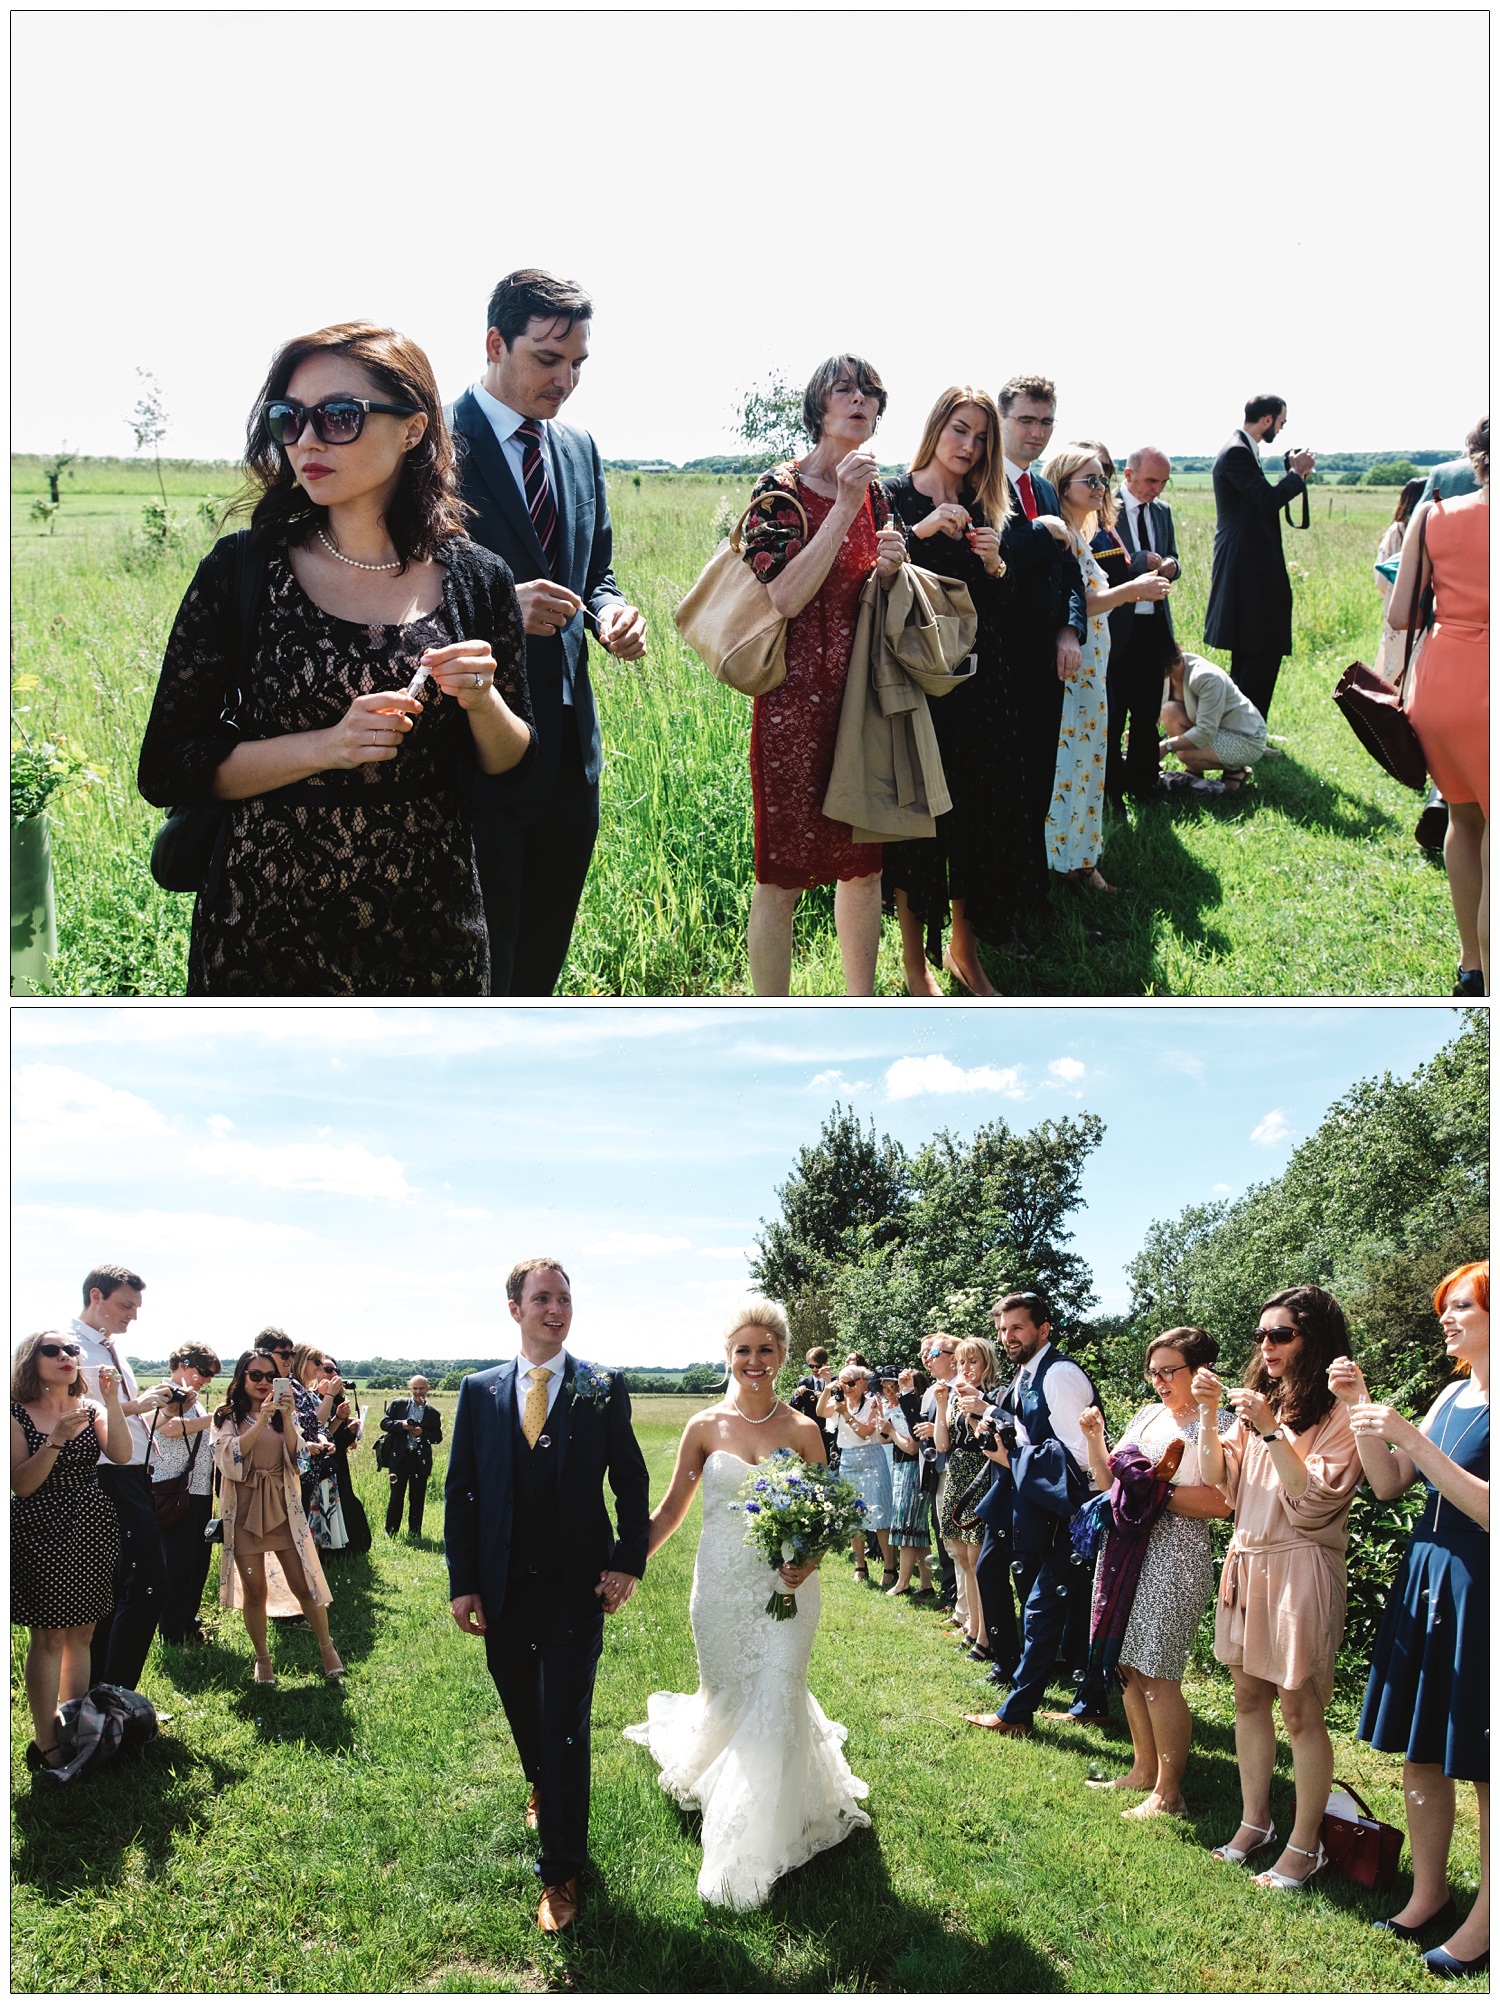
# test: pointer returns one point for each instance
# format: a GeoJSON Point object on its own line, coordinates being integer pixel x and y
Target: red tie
{"type": "Point", "coordinates": [1028, 499]}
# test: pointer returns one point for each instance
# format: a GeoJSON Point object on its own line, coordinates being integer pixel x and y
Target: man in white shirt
{"type": "Point", "coordinates": [1140, 635]}
{"type": "Point", "coordinates": [122, 1640]}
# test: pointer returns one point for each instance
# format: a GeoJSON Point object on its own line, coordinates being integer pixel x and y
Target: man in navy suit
{"type": "Point", "coordinates": [534, 1564]}
{"type": "Point", "coordinates": [1140, 635]}
{"type": "Point", "coordinates": [537, 491]}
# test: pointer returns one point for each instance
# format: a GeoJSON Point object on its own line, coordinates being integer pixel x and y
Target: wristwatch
{"type": "Point", "coordinates": [1274, 1434]}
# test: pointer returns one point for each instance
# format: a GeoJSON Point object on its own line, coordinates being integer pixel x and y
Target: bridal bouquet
{"type": "Point", "coordinates": [795, 1511]}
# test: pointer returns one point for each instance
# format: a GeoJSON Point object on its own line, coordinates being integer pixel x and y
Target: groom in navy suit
{"type": "Point", "coordinates": [537, 491]}
{"type": "Point", "coordinates": [534, 1564]}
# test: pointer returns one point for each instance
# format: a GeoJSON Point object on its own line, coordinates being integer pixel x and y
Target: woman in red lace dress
{"type": "Point", "coordinates": [815, 580]}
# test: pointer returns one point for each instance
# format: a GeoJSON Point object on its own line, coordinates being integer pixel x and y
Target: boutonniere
{"type": "Point", "coordinates": [591, 1384]}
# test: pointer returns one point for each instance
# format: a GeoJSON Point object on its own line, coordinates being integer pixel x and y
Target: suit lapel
{"type": "Point", "coordinates": [503, 1390]}
{"type": "Point", "coordinates": [562, 495]}
{"type": "Point", "coordinates": [496, 474]}
{"type": "Point", "coordinates": [560, 1423]}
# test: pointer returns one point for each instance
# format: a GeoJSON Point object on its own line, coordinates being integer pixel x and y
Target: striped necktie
{"type": "Point", "coordinates": [542, 507]}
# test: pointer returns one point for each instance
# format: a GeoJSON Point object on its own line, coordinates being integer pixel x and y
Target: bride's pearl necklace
{"type": "Point", "coordinates": [775, 1407]}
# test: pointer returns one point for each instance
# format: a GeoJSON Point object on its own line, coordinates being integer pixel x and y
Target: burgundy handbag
{"type": "Point", "coordinates": [1376, 713]}
{"type": "Point", "coordinates": [1361, 1847]}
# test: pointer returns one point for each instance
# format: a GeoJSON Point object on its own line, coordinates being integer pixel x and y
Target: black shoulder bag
{"type": "Point", "coordinates": [188, 853]}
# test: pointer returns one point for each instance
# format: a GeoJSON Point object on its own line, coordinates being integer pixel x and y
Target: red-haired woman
{"type": "Point", "coordinates": [346, 864]}
{"type": "Point", "coordinates": [1429, 1691]}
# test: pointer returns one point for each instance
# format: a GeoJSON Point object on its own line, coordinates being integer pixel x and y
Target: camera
{"type": "Point", "coordinates": [178, 1392]}
{"type": "Point", "coordinates": [836, 1392]}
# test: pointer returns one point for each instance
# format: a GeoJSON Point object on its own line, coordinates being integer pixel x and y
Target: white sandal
{"type": "Point", "coordinates": [1280, 1883]}
{"type": "Point", "coordinates": [1227, 1854]}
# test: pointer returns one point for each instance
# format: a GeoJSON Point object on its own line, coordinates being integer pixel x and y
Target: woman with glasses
{"type": "Point", "coordinates": [1429, 1692]}
{"type": "Point", "coordinates": [386, 673]}
{"type": "Point", "coordinates": [1177, 1572]}
{"type": "Point", "coordinates": [255, 1445]}
{"type": "Point", "coordinates": [1284, 1590]}
{"type": "Point", "coordinates": [64, 1537]}
{"type": "Point", "coordinates": [860, 1424]}
{"type": "Point", "coordinates": [1075, 820]}
{"type": "Point", "coordinates": [177, 1449]}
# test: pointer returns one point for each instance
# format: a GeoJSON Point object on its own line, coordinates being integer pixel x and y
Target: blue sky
{"type": "Point", "coordinates": [366, 1177]}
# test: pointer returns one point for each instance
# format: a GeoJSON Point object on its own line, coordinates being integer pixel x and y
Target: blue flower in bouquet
{"type": "Point", "coordinates": [806, 1510]}
{"type": "Point", "coordinates": [592, 1384]}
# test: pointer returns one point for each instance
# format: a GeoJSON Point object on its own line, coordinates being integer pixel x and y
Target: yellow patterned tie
{"type": "Point", "coordinates": [534, 1412]}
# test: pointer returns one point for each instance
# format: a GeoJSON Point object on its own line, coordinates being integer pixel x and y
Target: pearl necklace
{"type": "Point", "coordinates": [334, 551]}
{"type": "Point", "coordinates": [775, 1407]}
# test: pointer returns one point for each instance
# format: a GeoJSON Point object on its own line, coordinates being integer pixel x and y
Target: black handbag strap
{"type": "Point", "coordinates": [1414, 617]}
{"type": "Point", "coordinates": [192, 1451]}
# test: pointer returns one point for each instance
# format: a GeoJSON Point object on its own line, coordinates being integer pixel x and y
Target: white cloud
{"type": "Point", "coordinates": [635, 1245]}
{"type": "Point", "coordinates": [475, 1215]}
{"type": "Point", "coordinates": [1066, 1068]}
{"type": "Point", "coordinates": [162, 1231]}
{"type": "Point", "coordinates": [1222, 1190]}
{"type": "Point", "coordinates": [1184, 1061]}
{"type": "Point", "coordinates": [1271, 1131]}
{"type": "Point", "coordinates": [51, 1096]}
{"type": "Point", "coordinates": [826, 1081]}
{"type": "Point", "coordinates": [303, 1165]}
{"type": "Point", "coordinates": [908, 1078]}
{"type": "Point", "coordinates": [220, 1123]}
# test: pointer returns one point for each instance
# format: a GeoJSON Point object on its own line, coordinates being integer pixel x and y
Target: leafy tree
{"type": "Point", "coordinates": [149, 423]}
{"type": "Point", "coordinates": [703, 1378]}
{"type": "Point", "coordinates": [1391, 473]}
{"type": "Point", "coordinates": [768, 418]}
{"type": "Point", "coordinates": [986, 1217]}
{"type": "Point", "coordinates": [1390, 1192]}
{"type": "Point", "coordinates": [53, 470]}
{"type": "Point", "coordinates": [453, 1381]}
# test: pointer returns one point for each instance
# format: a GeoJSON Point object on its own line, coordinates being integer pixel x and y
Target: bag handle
{"type": "Point", "coordinates": [1414, 617]}
{"type": "Point", "coordinates": [1357, 1799]}
{"type": "Point", "coordinates": [736, 540]}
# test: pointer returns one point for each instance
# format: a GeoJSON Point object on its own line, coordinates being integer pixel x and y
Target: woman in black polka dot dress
{"type": "Point", "coordinates": [64, 1535]}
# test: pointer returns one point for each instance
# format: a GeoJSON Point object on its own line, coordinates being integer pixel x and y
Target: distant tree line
{"type": "Point", "coordinates": [386, 1374]}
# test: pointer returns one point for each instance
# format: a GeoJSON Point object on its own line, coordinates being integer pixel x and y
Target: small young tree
{"type": "Point", "coordinates": [53, 470]}
{"type": "Point", "coordinates": [768, 418]}
{"type": "Point", "coordinates": [149, 423]}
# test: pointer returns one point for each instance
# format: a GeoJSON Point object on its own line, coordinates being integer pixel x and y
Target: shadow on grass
{"type": "Point", "coordinates": [74, 1837]}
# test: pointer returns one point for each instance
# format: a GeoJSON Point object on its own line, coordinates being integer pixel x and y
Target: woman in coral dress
{"type": "Point", "coordinates": [1450, 706]}
{"type": "Point", "coordinates": [815, 577]}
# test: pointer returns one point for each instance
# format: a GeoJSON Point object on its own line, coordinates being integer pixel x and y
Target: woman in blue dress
{"type": "Point", "coordinates": [1428, 1695]}
{"type": "Point", "coordinates": [854, 1405]}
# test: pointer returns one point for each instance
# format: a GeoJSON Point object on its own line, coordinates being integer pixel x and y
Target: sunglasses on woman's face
{"type": "Point", "coordinates": [337, 420]}
{"type": "Point", "coordinates": [59, 1349]}
{"type": "Point", "coordinates": [260, 1377]}
{"type": "Point", "coordinates": [1279, 1333]}
{"type": "Point", "coordinates": [1090, 480]}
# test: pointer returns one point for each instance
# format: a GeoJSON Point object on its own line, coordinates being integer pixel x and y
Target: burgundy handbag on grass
{"type": "Point", "coordinates": [1376, 713]}
{"type": "Point", "coordinates": [1359, 1846]}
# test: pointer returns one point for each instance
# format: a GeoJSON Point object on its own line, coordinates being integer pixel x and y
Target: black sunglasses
{"type": "Point", "coordinates": [260, 1377]}
{"type": "Point", "coordinates": [337, 420]}
{"type": "Point", "coordinates": [59, 1349]}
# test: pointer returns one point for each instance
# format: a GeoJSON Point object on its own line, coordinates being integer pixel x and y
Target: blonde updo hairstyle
{"type": "Point", "coordinates": [756, 1312]}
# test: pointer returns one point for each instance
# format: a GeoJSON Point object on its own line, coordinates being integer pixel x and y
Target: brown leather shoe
{"type": "Point", "coordinates": [534, 1812]}
{"type": "Point", "coordinates": [559, 1908]}
{"type": "Point", "coordinates": [993, 1723]}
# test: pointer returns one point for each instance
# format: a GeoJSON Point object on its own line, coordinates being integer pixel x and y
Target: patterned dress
{"type": "Point", "coordinates": [1177, 1573]}
{"type": "Point", "coordinates": [969, 1474]}
{"type": "Point", "coordinates": [64, 1538]}
{"type": "Point", "coordinates": [792, 736]}
{"type": "Point", "coordinates": [1075, 820]}
{"type": "Point", "coordinates": [357, 882]}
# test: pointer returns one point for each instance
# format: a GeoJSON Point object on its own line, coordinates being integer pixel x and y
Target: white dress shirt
{"type": "Point", "coordinates": [504, 423]}
{"type": "Point", "coordinates": [1013, 475]}
{"type": "Point", "coordinates": [1254, 448]}
{"type": "Point", "coordinates": [1067, 1395]}
{"type": "Point", "coordinates": [99, 1352]}
{"type": "Point", "coordinates": [524, 1367]}
{"type": "Point", "coordinates": [1134, 509]}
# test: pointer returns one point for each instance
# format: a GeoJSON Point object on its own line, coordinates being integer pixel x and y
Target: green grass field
{"type": "Point", "coordinates": [298, 1840]}
{"type": "Point", "coordinates": [1309, 883]}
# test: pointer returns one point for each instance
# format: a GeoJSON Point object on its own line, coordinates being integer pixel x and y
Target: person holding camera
{"type": "Point", "coordinates": [179, 1463]}
{"type": "Point", "coordinates": [957, 1434]}
{"type": "Point", "coordinates": [255, 1446]}
{"type": "Point", "coordinates": [854, 1405]}
{"type": "Point", "coordinates": [937, 1357]}
{"type": "Point", "coordinates": [64, 1536]}
{"type": "Point", "coordinates": [1250, 595]}
{"type": "Point", "coordinates": [320, 1490]}
{"type": "Point", "coordinates": [810, 1389]}
{"type": "Point", "coordinates": [1284, 1589]}
{"type": "Point", "coordinates": [413, 1428]}
{"type": "Point", "coordinates": [909, 1533]}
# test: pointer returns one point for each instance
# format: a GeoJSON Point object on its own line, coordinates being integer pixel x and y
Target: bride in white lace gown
{"type": "Point", "coordinates": [751, 1748]}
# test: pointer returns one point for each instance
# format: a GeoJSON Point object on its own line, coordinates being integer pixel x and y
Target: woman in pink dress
{"type": "Point", "coordinates": [815, 577]}
{"type": "Point", "coordinates": [1450, 706]}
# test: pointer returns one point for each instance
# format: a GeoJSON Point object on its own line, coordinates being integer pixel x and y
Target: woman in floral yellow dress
{"type": "Point", "coordinates": [1075, 820]}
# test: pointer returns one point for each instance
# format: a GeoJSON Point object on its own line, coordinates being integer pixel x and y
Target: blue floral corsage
{"type": "Point", "coordinates": [592, 1385]}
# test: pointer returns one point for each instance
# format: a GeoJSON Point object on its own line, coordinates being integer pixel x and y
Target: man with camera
{"type": "Point", "coordinates": [810, 1388]}
{"type": "Point", "coordinates": [1039, 1445]}
{"type": "Point", "coordinates": [1250, 597]}
{"type": "Point", "coordinates": [413, 1428]}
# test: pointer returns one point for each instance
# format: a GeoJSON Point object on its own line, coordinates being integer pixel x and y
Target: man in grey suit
{"type": "Point", "coordinates": [1140, 635]}
{"type": "Point", "coordinates": [537, 491]}
{"type": "Point", "coordinates": [1250, 597]}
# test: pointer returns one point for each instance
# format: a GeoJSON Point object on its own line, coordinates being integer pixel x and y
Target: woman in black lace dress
{"type": "Point", "coordinates": [347, 866]}
{"type": "Point", "coordinates": [985, 863]}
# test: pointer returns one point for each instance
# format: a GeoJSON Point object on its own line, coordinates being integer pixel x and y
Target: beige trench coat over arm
{"type": "Point", "coordinates": [279, 1597]}
{"type": "Point", "coordinates": [914, 640]}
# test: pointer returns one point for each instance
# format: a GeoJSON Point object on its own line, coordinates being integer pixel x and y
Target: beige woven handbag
{"type": "Point", "coordinates": [728, 619]}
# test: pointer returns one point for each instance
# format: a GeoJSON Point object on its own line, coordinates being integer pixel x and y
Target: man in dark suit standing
{"type": "Point", "coordinates": [1250, 598]}
{"type": "Point", "coordinates": [1140, 635]}
{"type": "Point", "coordinates": [1043, 620]}
{"type": "Point", "coordinates": [537, 489]}
{"type": "Point", "coordinates": [534, 1564]}
{"type": "Point", "coordinates": [413, 1428]}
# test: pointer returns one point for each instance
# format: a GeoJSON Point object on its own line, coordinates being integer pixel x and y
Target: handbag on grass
{"type": "Point", "coordinates": [1376, 713]}
{"type": "Point", "coordinates": [1359, 1846]}
{"type": "Point", "coordinates": [728, 619]}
